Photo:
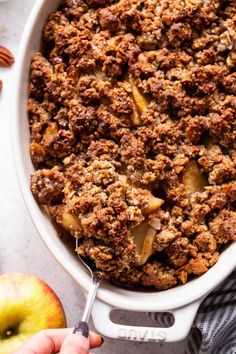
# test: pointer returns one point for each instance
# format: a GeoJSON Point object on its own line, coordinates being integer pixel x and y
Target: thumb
{"type": "Point", "coordinates": [75, 344]}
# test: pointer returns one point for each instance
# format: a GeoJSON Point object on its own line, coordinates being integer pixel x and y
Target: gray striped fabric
{"type": "Point", "coordinates": [214, 329]}
{"type": "Point", "coordinates": [216, 321]}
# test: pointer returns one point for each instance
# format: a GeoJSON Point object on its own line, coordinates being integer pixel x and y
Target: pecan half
{"type": "Point", "coordinates": [0, 85]}
{"type": "Point", "coordinates": [6, 57]}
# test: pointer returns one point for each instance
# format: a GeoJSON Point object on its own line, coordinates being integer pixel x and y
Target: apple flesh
{"type": "Point", "coordinates": [27, 305]}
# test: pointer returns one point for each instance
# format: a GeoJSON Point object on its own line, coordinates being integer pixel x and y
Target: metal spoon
{"type": "Point", "coordinates": [82, 327]}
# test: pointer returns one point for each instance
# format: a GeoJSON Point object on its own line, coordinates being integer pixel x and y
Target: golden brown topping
{"type": "Point", "coordinates": [47, 186]}
{"type": "Point", "coordinates": [163, 239]}
{"type": "Point", "coordinates": [223, 226]}
{"type": "Point", "coordinates": [132, 122]}
{"type": "Point", "coordinates": [108, 20]}
{"type": "Point", "coordinates": [159, 275]}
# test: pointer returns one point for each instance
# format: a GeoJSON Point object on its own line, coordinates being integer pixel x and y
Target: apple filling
{"type": "Point", "coordinates": [70, 222]}
{"type": "Point", "coordinates": [140, 103]}
{"type": "Point", "coordinates": [143, 236]}
{"type": "Point", "coordinates": [193, 180]}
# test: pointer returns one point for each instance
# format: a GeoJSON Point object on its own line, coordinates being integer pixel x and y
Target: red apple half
{"type": "Point", "coordinates": [27, 305]}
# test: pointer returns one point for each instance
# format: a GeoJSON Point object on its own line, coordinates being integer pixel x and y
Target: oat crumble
{"type": "Point", "coordinates": [133, 134]}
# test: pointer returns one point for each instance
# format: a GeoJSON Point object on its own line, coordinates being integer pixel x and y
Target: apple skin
{"type": "Point", "coordinates": [27, 305]}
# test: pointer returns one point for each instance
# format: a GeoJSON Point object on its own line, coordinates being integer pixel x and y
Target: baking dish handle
{"type": "Point", "coordinates": [184, 317]}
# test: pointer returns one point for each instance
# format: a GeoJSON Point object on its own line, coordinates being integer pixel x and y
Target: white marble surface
{"type": "Point", "coordinates": [21, 248]}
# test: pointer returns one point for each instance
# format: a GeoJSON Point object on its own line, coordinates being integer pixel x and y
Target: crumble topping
{"type": "Point", "coordinates": [133, 134]}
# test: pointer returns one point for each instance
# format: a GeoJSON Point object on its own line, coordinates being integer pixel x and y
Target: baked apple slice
{"type": "Point", "coordinates": [140, 103]}
{"type": "Point", "coordinates": [139, 99]}
{"type": "Point", "coordinates": [70, 222]}
{"type": "Point", "coordinates": [143, 236]}
{"type": "Point", "coordinates": [152, 203]}
{"type": "Point", "coordinates": [67, 220]}
{"type": "Point", "coordinates": [193, 179]}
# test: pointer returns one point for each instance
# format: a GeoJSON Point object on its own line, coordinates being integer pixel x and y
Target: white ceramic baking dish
{"type": "Point", "coordinates": [182, 301]}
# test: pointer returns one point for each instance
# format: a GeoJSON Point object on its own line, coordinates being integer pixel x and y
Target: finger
{"type": "Point", "coordinates": [47, 341]}
{"type": "Point", "coordinates": [76, 344]}
{"type": "Point", "coordinates": [95, 340]}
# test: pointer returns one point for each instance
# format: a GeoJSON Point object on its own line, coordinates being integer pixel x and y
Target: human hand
{"type": "Point", "coordinates": [60, 341]}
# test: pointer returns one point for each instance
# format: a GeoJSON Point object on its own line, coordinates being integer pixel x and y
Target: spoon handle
{"type": "Point", "coordinates": [82, 326]}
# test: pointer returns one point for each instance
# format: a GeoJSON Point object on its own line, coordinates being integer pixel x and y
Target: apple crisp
{"type": "Point", "coordinates": [133, 134]}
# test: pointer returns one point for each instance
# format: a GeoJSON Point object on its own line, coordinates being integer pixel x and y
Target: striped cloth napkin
{"type": "Point", "coordinates": [216, 321]}
{"type": "Point", "coordinates": [214, 328]}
